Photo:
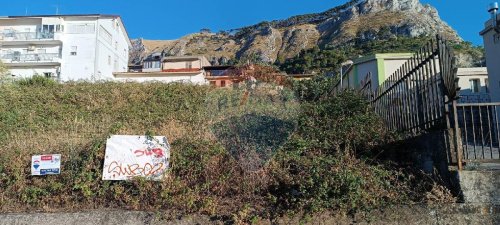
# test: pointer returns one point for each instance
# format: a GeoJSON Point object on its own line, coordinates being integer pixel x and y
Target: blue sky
{"type": "Point", "coordinates": [171, 19]}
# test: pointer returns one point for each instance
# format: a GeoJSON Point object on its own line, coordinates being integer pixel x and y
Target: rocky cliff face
{"type": "Point", "coordinates": [354, 22]}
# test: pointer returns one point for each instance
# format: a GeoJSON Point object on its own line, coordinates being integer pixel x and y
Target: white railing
{"type": "Point", "coordinates": [36, 57]}
{"type": "Point", "coordinates": [26, 36]}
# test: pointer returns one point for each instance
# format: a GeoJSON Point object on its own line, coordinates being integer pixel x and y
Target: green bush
{"type": "Point", "coordinates": [319, 168]}
{"type": "Point", "coordinates": [37, 80]}
{"type": "Point", "coordinates": [307, 150]}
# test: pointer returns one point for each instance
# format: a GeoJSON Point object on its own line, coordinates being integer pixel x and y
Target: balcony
{"type": "Point", "coordinates": [26, 36]}
{"type": "Point", "coordinates": [15, 58]}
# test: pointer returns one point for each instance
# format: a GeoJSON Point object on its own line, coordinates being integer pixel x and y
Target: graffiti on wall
{"type": "Point", "coordinates": [136, 156]}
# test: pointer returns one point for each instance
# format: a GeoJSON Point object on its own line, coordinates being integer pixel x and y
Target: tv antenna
{"type": "Point", "coordinates": [57, 9]}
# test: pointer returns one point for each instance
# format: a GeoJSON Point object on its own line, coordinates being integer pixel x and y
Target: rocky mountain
{"type": "Point", "coordinates": [354, 22]}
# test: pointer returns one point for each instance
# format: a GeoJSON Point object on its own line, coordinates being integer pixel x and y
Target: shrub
{"type": "Point", "coordinates": [234, 152]}
{"type": "Point", "coordinates": [37, 80]}
{"type": "Point", "coordinates": [319, 168]}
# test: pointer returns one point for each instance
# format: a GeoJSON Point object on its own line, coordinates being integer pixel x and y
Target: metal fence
{"type": "Point", "coordinates": [479, 127]}
{"type": "Point", "coordinates": [415, 98]}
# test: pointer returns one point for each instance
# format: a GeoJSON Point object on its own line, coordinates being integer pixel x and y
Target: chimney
{"type": "Point", "coordinates": [493, 10]}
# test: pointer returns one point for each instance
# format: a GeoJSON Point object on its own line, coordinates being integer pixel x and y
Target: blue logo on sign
{"type": "Point", "coordinates": [36, 164]}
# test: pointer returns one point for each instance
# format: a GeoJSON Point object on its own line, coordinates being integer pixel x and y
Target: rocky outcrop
{"type": "Point", "coordinates": [354, 22]}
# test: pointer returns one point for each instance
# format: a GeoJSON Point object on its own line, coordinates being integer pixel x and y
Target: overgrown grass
{"type": "Point", "coordinates": [234, 152]}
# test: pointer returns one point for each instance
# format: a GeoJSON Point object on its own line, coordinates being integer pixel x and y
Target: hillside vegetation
{"type": "Point", "coordinates": [235, 153]}
{"type": "Point", "coordinates": [357, 21]}
{"type": "Point", "coordinates": [317, 60]}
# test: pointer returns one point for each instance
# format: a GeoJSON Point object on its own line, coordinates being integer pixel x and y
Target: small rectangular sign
{"type": "Point", "coordinates": [136, 156]}
{"type": "Point", "coordinates": [45, 164]}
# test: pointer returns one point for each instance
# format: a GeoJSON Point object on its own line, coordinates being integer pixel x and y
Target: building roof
{"type": "Point", "coordinates": [181, 58]}
{"type": "Point", "coordinates": [489, 25]}
{"type": "Point", "coordinates": [152, 74]}
{"type": "Point", "coordinates": [64, 15]}
{"type": "Point", "coordinates": [156, 56]}
{"type": "Point", "coordinates": [217, 67]}
{"type": "Point", "coordinates": [382, 56]}
{"type": "Point", "coordinates": [473, 71]}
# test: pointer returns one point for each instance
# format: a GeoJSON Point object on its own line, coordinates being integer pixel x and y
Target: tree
{"type": "Point", "coordinates": [205, 31]}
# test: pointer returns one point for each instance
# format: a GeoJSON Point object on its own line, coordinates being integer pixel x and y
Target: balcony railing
{"type": "Point", "coordinates": [26, 36]}
{"type": "Point", "coordinates": [36, 57]}
{"type": "Point", "coordinates": [474, 98]}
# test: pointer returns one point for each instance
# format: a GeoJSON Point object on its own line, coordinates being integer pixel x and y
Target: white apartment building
{"type": "Point", "coordinates": [65, 47]}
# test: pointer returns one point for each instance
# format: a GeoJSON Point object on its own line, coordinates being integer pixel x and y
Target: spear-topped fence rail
{"type": "Point", "coordinates": [414, 98]}
{"type": "Point", "coordinates": [421, 97]}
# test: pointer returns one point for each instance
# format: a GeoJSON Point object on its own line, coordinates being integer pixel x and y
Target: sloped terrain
{"type": "Point", "coordinates": [356, 21]}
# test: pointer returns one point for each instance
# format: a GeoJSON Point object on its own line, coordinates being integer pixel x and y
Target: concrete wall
{"type": "Point", "coordinates": [492, 48]}
{"type": "Point", "coordinates": [198, 78]}
{"type": "Point", "coordinates": [480, 186]}
{"type": "Point", "coordinates": [457, 214]}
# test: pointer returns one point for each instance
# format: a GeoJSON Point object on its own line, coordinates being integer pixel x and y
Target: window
{"type": "Point", "coordinates": [41, 51]}
{"type": "Point", "coordinates": [222, 83]}
{"type": "Point", "coordinates": [487, 85]}
{"type": "Point", "coordinates": [59, 28]}
{"type": "Point", "coordinates": [189, 65]}
{"type": "Point", "coordinates": [47, 74]}
{"type": "Point", "coordinates": [212, 83]}
{"type": "Point", "coordinates": [474, 85]}
{"type": "Point", "coordinates": [48, 28]}
{"type": "Point", "coordinates": [73, 50]}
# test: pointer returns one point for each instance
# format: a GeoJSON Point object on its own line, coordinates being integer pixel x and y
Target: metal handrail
{"type": "Point", "coordinates": [479, 104]}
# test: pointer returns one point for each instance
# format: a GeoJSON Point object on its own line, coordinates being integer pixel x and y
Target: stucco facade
{"type": "Point", "coordinates": [372, 70]}
{"type": "Point", "coordinates": [184, 63]}
{"type": "Point", "coordinates": [163, 77]}
{"type": "Point", "coordinates": [474, 85]}
{"type": "Point", "coordinates": [64, 47]}
{"type": "Point", "coordinates": [491, 38]}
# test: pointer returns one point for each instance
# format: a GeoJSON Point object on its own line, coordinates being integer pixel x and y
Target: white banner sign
{"type": "Point", "coordinates": [45, 165]}
{"type": "Point", "coordinates": [136, 156]}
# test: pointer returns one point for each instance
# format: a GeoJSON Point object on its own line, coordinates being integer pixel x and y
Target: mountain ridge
{"type": "Point", "coordinates": [347, 24]}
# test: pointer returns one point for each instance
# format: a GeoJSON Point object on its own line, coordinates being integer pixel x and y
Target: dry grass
{"type": "Point", "coordinates": [262, 158]}
{"type": "Point", "coordinates": [75, 119]}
